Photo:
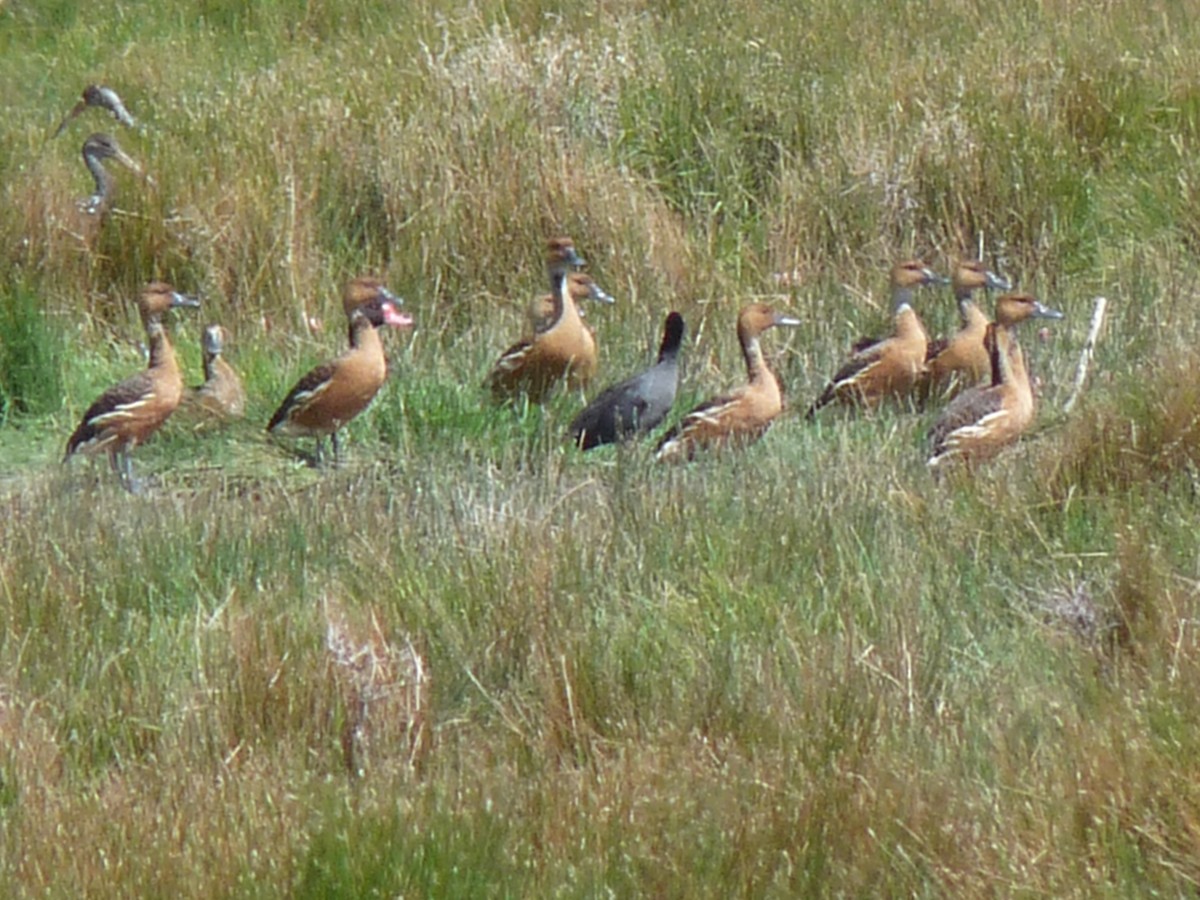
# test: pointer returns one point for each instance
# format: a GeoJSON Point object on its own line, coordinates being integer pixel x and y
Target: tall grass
{"type": "Point", "coordinates": [30, 357]}
{"type": "Point", "coordinates": [806, 669]}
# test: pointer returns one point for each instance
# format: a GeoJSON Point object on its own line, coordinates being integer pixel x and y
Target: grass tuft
{"type": "Point", "coordinates": [31, 351]}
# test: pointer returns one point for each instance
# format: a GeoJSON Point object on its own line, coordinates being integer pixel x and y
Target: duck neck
{"type": "Point", "coordinates": [967, 310]}
{"type": "Point", "coordinates": [362, 334]}
{"type": "Point", "coordinates": [907, 324]}
{"type": "Point", "coordinates": [1014, 363]}
{"type": "Point", "coordinates": [564, 313]}
{"type": "Point", "coordinates": [100, 176]}
{"type": "Point", "coordinates": [1005, 354]}
{"type": "Point", "coordinates": [756, 366]}
{"type": "Point", "coordinates": [668, 351]}
{"type": "Point", "coordinates": [162, 354]}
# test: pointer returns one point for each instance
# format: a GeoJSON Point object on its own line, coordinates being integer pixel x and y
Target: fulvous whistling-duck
{"type": "Point", "coordinates": [962, 360]}
{"type": "Point", "coordinates": [891, 366]}
{"type": "Point", "coordinates": [335, 392]}
{"type": "Point", "coordinates": [129, 412]}
{"type": "Point", "coordinates": [541, 309]}
{"type": "Point", "coordinates": [638, 404]}
{"type": "Point", "coordinates": [102, 98]}
{"type": "Point", "coordinates": [741, 416]}
{"type": "Point", "coordinates": [581, 287]}
{"type": "Point", "coordinates": [97, 148]}
{"type": "Point", "coordinates": [564, 348]}
{"type": "Point", "coordinates": [979, 422]}
{"type": "Point", "coordinates": [222, 394]}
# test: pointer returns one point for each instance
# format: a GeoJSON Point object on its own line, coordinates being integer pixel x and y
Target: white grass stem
{"type": "Point", "coordinates": [1089, 350]}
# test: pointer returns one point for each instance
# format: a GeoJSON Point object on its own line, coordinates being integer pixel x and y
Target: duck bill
{"type": "Point", "coordinates": [595, 293]}
{"type": "Point", "coordinates": [128, 162]}
{"type": "Point", "coordinates": [184, 300]}
{"type": "Point", "coordinates": [395, 318]}
{"type": "Point", "coordinates": [996, 283]}
{"type": "Point", "coordinates": [1045, 312]}
{"type": "Point", "coordinates": [75, 111]}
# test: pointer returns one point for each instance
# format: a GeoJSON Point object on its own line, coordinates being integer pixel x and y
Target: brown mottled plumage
{"type": "Point", "coordinates": [982, 421]}
{"type": "Point", "coordinates": [889, 367]}
{"type": "Point", "coordinates": [743, 415]}
{"type": "Point", "coordinates": [129, 412]}
{"type": "Point", "coordinates": [334, 393]}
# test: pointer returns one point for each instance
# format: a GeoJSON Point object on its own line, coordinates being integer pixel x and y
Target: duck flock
{"type": "Point", "coordinates": [979, 372]}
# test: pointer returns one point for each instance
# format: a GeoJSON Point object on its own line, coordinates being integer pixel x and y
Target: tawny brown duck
{"type": "Point", "coordinates": [336, 392]}
{"type": "Point", "coordinates": [96, 149]}
{"type": "Point", "coordinates": [541, 309]}
{"type": "Point", "coordinates": [131, 411]}
{"type": "Point", "coordinates": [222, 394]}
{"type": "Point", "coordinates": [890, 367]}
{"type": "Point", "coordinates": [982, 421]}
{"type": "Point", "coordinates": [581, 287]}
{"type": "Point", "coordinates": [564, 350]}
{"type": "Point", "coordinates": [961, 360]}
{"type": "Point", "coordinates": [100, 97]}
{"type": "Point", "coordinates": [742, 416]}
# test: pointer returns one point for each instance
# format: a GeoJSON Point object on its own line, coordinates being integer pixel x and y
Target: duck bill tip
{"type": "Point", "coordinates": [130, 163]}
{"type": "Point", "coordinates": [395, 318]}
{"type": "Point", "coordinates": [185, 300]}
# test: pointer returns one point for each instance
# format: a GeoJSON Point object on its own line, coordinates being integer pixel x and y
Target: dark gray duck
{"type": "Point", "coordinates": [638, 404]}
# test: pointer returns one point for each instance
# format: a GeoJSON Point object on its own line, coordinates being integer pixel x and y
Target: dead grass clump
{"type": "Point", "coordinates": [1074, 609]}
{"type": "Point", "coordinates": [1146, 436]}
{"type": "Point", "coordinates": [1148, 609]}
{"type": "Point", "coordinates": [29, 753]}
{"type": "Point", "coordinates": [272, 694]}
{"type": "Point", "coordinates": [384, 684]}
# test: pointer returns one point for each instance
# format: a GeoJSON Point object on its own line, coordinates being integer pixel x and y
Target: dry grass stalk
{"type": "Point", "coordinates": [1089, 350]}
{"type": "Point", "coordinates": [26, 744]}
{"type": "Point", "coordinates": [385, 688]}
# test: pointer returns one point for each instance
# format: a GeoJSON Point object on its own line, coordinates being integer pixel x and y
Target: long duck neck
{"type": "Point", "coordinates": [364, 338]}
{"type": "Point", "coordinates": [1014, 363]}
{"type": "Point", "coordinates": [100, 175]}
{"type": "Point", "coordinates": [907, 323]}
{"type": "Point", "coordinates": [564, 313]}
{"type": "Point", "coordinates": [967, 310]}
{"type": "Point", "coordinates": [756, 365]}
{"type": "Point", "coordinates": [162, 354]}
{"type": "Point", "coordinates": [1008, 363]}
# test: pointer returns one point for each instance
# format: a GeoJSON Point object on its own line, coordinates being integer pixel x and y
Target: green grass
{"type": "Point", "coordinates": [807, 669]}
